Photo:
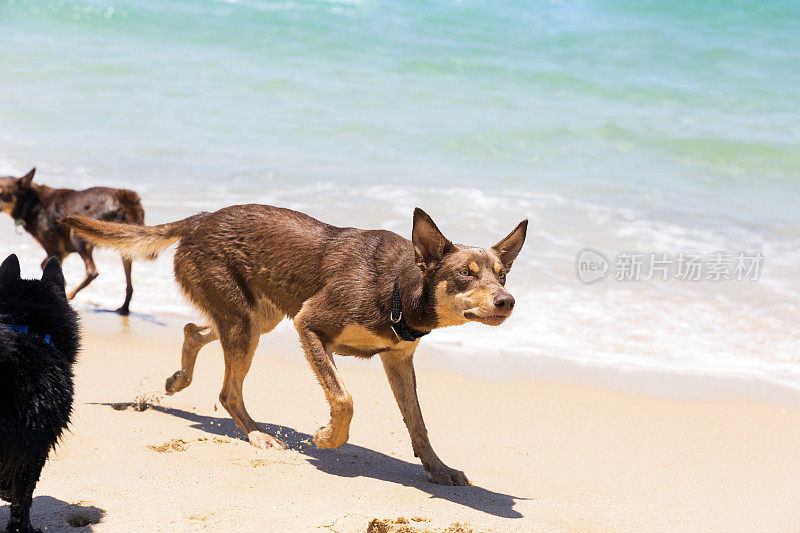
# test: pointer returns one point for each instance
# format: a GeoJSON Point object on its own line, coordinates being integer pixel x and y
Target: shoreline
{"type": "Point", "coordinates": [507, 365]}
{"type": "Point", "coordinates": [654, 382]}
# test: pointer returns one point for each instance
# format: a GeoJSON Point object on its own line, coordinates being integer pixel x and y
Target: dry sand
{"type": "Point", "coordinates": [542, 455]}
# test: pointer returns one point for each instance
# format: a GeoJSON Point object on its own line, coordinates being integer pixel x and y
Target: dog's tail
{"type": "Point", "coordinates": [132, 210]}
{"type": "Point", "coordinates": [131, 240]}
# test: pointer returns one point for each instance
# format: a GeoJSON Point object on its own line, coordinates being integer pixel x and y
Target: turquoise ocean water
{"type": "Point", "coordinates": [651, 126]}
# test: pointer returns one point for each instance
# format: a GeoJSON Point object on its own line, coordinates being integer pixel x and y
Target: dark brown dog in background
{"type": "Point", "coordinates": [38, 209]}
{"type": "Point", "coordinates": [349, 291]}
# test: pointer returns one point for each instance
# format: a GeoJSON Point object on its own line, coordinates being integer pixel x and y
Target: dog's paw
{"type": "Point", "coordinates": [193, 332]}
{"type": "Point", "coordinates": [445, 475]}
{"type": "Point", "coordinates": [176, 382]}
{"type": "Point", "coordinates": [123, 311]}
{"type": "Point", "coordinates": [326, 437]}
{"type": "Point", "coordinates": [265, 441]}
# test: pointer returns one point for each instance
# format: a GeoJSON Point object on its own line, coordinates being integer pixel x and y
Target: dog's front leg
{"type": "Point", "coordinates": [399, 368]}
{"type": "Point", "coordinates": [22, 496]}
{"type": "Point", "coordinates": [319, 357]}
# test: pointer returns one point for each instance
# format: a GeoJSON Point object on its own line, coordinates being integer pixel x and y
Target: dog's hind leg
{"type": "Point", "coordinates": [22, 497]}
{"type": "Point", "coordinates": [57, 255]}
{"type": "Point", "coordinates": [125, 309]}
{"type": "Point", "coordinates": [194, 338]}
{"type": "Point", "coordinates": [239, 341]}
{"type": "Point", "coordinates": [239, 318]}
{"type": "Point", "coordinates": [91, 271]}
{"type": "Point", "coordinates": [399, 367]}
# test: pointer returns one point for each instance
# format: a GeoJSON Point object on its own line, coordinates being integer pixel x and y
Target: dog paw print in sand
{"type": "Point", "coordinates": [82, 515]}
{"type": "Point", "coordinates": [141, 402]}
{"type": "Point", "coordinates": [277, 457]}
{"type": "Point", "coordinates": [181, 445]}
{"type": "Point", "coordinates": [172, 445]}
{"type": "Point", "coordinates": [415, 525]}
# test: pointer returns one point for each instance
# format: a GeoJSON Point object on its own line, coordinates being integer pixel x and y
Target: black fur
{"type": "Point", "coordinates": [36, 387]}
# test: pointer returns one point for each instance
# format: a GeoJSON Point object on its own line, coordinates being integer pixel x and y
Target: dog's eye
{"type": "Point", "coordinates": [502, 277]}
{"type": "Point", "coordinates": [464, 272]}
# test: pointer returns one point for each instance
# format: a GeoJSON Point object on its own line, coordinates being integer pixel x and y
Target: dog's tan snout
{"type": "Point", "coordinates": [504, 302]}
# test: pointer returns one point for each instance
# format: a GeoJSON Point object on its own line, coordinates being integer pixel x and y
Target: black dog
{"type": "Point", "coordinates": [39, 341]}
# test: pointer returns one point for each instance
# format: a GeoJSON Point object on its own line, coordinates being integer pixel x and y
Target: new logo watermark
{"type": "Point", "coordinates": [591, 266]}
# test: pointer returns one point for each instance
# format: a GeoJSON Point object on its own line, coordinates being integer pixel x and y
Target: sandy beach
{"type": "Point", "coordinates": [649, 378]}
{"type": "Point", "coordinates": [543, 455]}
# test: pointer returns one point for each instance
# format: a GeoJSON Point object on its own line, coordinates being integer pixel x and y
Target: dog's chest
{"type": "Point", "coordinates": [359, 341]}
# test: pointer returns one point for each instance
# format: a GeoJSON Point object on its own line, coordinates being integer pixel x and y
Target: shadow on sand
{"type": "Point", "coordinates": [93, 308]}
{"type": "Point", "coordinates": [356, 461]}
{"type": "Point", "coordinates": [54, 515]}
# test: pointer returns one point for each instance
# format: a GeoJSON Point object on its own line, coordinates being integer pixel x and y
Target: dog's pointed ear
{"type": "Point", "coordinates": [430, 245]}
{"type": "Point", "coordinates": [508, 248]}
{"type": "Point", "coordinates": [53, 274]}
{"type": "Point", "coordinates": [9, 270]}
{"type": "Point", "coordinates": [26, 180]}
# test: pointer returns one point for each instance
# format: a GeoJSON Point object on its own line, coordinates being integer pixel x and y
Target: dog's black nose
{"type": "Point", "coordinates": [504, 301]}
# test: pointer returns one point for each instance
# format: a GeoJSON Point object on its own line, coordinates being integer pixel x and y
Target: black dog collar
{"type": "Point", "coordinates": [399, 325]}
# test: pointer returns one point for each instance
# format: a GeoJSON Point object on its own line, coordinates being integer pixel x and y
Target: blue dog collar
{"type": "Point", "coordinates": [26, 331]}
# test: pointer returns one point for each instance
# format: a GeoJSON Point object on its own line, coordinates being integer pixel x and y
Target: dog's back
{"type": "Point", "coordinates": [38, 346]}
{"type": "Point", "coordinates": [99, 203]}
{"type": "Point", "coordinates": [255, 251]}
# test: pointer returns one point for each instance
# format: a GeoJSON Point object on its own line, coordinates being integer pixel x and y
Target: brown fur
{"type": "Point", "coordinates": [38, 208]}
{"type": "Point", "coordinates": [247, 267]}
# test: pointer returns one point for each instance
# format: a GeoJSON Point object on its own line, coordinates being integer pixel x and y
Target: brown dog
{"type": "Point", "coordinates": [349, 291]}
{"type": "Point", "coordinates": [38, 208]}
